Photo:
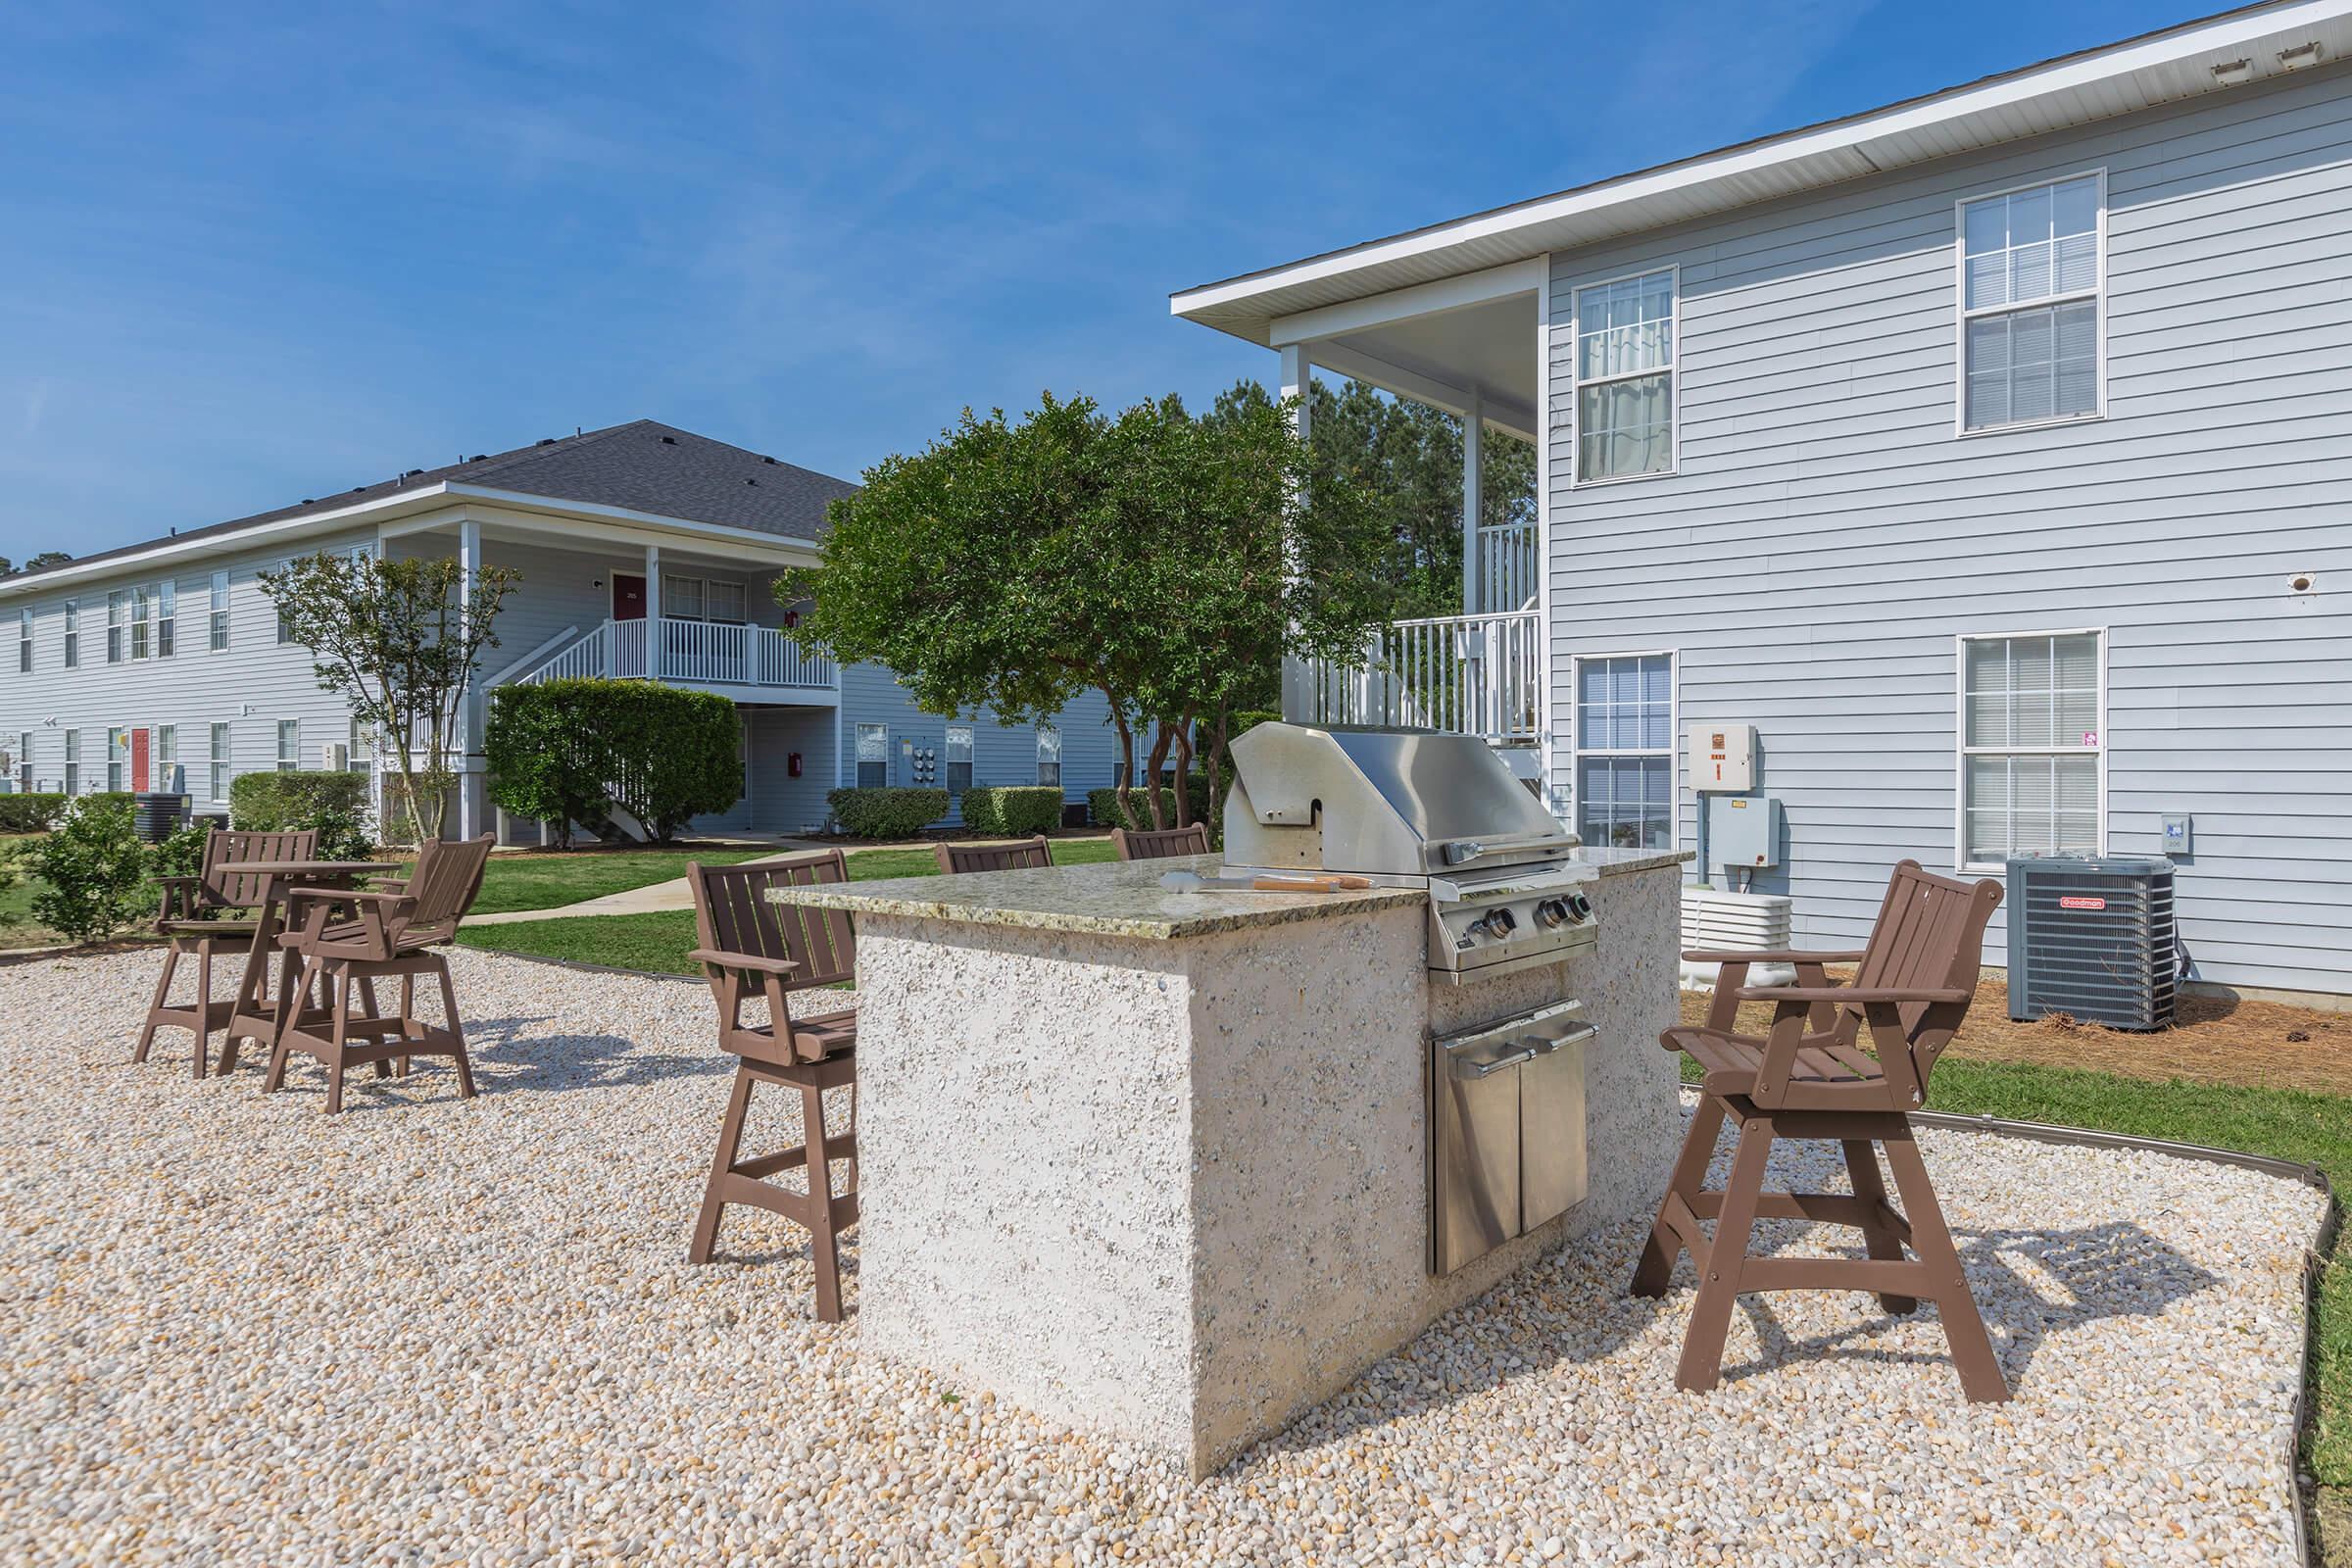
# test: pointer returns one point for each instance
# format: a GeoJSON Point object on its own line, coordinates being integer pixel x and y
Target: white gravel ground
{"type": "Point", "coordinates": [235, 1330]}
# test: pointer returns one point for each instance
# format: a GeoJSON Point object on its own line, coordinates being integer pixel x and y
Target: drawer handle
{"type": "Point", "coordinates": [1574, 1037]}
{"type": "Point", "coordinates": [1473, 1070]}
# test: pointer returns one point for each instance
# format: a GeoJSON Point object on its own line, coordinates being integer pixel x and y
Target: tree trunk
{"type": "Point", "coordinates": [1124, 796]}
{"type": "Point", "coordinates": [1183, 771]}
{"type": "Point", "coordinates": [1159, 759]}
{"type": "Point", "coordinates": [1212, 762]}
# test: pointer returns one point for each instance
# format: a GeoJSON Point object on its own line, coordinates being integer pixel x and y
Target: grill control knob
{"type": "Point", "coordinates": [1579, 907]}
{"type": "Point", "coordinates": [1497, 924]}
{"type": "Point", "coordinates": [1552, 914]}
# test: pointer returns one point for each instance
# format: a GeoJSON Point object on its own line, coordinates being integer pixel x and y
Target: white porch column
{"type": "Point", "coordinates": [1474, 442]}
{"type": "Point", "coordinates": [470, 794]}
{"type": "Point", "coordinates": [653, 611]}
{"type": "Point", "coordinates": [1296, 701]}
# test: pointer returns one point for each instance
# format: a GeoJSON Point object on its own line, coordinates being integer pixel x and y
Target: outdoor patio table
{"type": "Point", "coordinates": [255, 1016]}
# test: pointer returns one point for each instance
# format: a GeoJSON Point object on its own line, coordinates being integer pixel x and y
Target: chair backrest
{"type": "Point", "coordinates": [226, 887]}
{"type": "Point", "coordinates": [1159, 843]}
{"type": "Point", "coordinates": [732, 913]}
{"type": "Point", "coordinates": [1020, 856]}
{"type": "Point", "coordinates": [447, 875]}
{"type": "Point", "coordinates": [1930, 935]}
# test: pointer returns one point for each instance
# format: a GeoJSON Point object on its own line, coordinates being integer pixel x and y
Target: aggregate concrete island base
{"type": "Point", "coordinates": [1155, 1164]}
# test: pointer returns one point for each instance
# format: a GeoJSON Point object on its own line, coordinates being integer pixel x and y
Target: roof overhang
{"type": "Point", "coordinates": [2075, 89]}
{"type": "Point", "coordinates": [428, 508]}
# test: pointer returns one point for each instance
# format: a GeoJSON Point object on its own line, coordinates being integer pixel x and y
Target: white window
{"type": "Point", "coordinates": [725, 600]}
{"type": "Point", "coordinates": [1625, 751]}
{"type": "Point", "coordinates": [284, 634]}
{"type": "Point", "coordinates": [167, 756]}
{"type": "Point", "coordinates": [118, 758]}
{"type": "Point", "coordinates": [25, 762]}
{"type": "Point", "coordinates": [166, 618]}
{"type": "Point", "coordinates": [73, 635]}
{"type": "Point", "coordinates": [682, 597]}
{"type": "Point", "coordinates": [2032, 764]}
{"type": "Point", "coordinates": [217, 627]}
{"type": "Point", "coordinates": [361, 757]}
{"type": "Point", "coordinates": [2031, 266]}
{"type": "Point", "coordinates": [703, 599]}
{"type": "Point", "coordinates": [1049, 754]}
{"type": "Point", "coordinates": [289, 745]}
{"type": "Point", "coordinates": [1625, 354]}
{"type": "Point", "coordinates": [958, 750]}
{"type": "Point", "coordinates": [142, 601]}
{"type": "Point", "coordinates": [25, 640]}
{"type": "Point", "coordinates": [117, 614]}
{"type": "Point", "coordinates": [72, 761]}
{"type": "Point", "coordinates": [216, 764]}
{"type": "Point", "coordinates": [873, 756]}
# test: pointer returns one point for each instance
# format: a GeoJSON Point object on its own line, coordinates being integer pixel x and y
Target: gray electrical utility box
{"type": "Point", "coordinates": [1743, 830]}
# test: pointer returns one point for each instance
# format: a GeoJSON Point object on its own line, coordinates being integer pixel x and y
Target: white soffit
{"type": "Point", "coordinates": [2072, 90]}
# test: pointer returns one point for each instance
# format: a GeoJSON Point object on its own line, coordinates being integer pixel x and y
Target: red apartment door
{"type": "Point", "coordinates": [138, 759]}
{"type": "Point", "coordinates": [628, 597]}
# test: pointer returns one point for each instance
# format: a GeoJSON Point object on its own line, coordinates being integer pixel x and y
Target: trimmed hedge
{"type": "Point", "coordinates": [275, 803]}
{"type": "Point", "coordinates": [1103, 805]}
{"type": "Point", "coordinates": [573, 748]}
{"type": "Point", "coordinates": [886, 811]}
{"type": "Point", "coordinates": [30, 814]}
{"type": "Point", "coordinates": [1012, 811]}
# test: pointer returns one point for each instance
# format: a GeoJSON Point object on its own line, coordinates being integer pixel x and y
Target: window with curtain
{"type": "Point", "coordinates": [289, 745]}
{"type": "Point", "coordinates": [1049, 754]}
{"type": "Point", "coordinates": [2029, 747]}
{"type": "Point", "coordinates": [1625, 348]}
{"type": "Point", "coordinates": [682, 597]}
{"type": "Point", "coordinates": [216, 762]}
{"type": "Point", "coordinates": [217, 623]}
{"type": "Point", "coordinates": [1625, 751]}
{"type": "Point", "coordinates": [873, 756]}
{"type": "Point", "coordinates": [958, 750]}
{"type": "Point", "coordinates": [2029, 305]}
{"type": "Point", "coordinates": [723, 600]}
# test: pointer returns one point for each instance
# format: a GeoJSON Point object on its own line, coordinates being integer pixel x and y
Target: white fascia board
{"type": "Point", "coordinates": [1846, 138]}
{"type": "Point", "coordinates": [624, 522]}
{"type": "Point", "coordinates": [1502, 414]}
{"type": "Point", "coordinates": [1455, 293]}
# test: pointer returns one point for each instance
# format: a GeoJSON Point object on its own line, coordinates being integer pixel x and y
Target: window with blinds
{"type": "Point", "coordinates": [1625, 751]}
{"type": "Point", "coordinates": [873, 756]}
{"type": "Point", "coordinates": [1625, 349]}
{"type": "Point", "coordinates": [2031, 743]}
{"type": "Point", "coordinates": [2029, 284]}
{"type": "Point", "coordinates": [1049, 754]}
{"type": "Point", "coordinates": [959, 759]}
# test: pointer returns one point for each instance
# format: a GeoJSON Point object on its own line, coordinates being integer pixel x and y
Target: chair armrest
{"type": "Point", "coordinates": [1709, 955]}
{"type": "Point", "coordinates": [178, 881]}
{"type": "Point", "coordinates": [345, 895]}
{"type": "Point", "coordinates": [743, 961]}
{"type": "Point", "coordinates": [1811, 994]}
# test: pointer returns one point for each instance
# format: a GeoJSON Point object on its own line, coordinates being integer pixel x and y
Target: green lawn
{"type": "Point", "coordinates": [550, 881]}
{"type": "Point", "coordinates": [660, 941]}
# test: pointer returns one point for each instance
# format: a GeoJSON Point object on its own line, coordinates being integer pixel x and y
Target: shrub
{"type": "Point", "coordinates": [889, 811]}
{"type": "Point", "coordinates": [333, 803]}
{"type": "Point", "coordinates": [1103, 805]}
{"type": "Point", "coordinates": [97, 870]}
{"type": "Point", "coordinates": [29, 814]}
{"type": "Point", "coordinates": [571, 749]}
{"type": "Point", "coordinates": [1012, 810]}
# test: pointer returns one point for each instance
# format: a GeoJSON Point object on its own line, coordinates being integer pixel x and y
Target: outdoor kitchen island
{"type": "Point", "coordinates": [1159, 1164]}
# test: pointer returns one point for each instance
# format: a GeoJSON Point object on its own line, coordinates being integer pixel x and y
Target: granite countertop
{"type": "Point", "coordinates": [1126, 898]}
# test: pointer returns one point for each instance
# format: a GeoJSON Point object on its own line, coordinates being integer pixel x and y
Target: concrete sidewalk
{"type": "Point", "coordinates": [674, 894]}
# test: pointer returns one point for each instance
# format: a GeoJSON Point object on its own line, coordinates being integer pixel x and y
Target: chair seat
{"type": "Point", "coordinates": [1733, 1060]}
{"type": "Point", "coordinates": [833, 1033]}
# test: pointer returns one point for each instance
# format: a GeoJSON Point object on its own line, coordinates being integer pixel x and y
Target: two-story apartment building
{"type": "Point", "coordinates": [643, 551]}
{"type": "Point", "coordinates": [1989, 451]}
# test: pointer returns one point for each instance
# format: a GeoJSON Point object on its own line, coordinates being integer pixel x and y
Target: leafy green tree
{"type": "Point", "coordinates": [47, 558]}
{"type": "Point", "coordinates": [400, 641]}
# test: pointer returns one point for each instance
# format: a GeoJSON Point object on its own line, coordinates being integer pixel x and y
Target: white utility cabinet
{"type": "Point", "coordinates": [1722, 757]}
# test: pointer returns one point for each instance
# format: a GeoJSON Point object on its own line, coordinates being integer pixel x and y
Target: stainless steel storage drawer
{"type": "Point", "coordinates": [1507, 1131]}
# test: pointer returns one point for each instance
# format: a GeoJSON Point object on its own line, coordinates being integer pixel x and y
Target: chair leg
{"type": "Point", "coordinates": [204, 1008]}
{"type": "Point", "coordinates": [335, 1061]}
{"type": "Point", "coordinates": [383, 1067]}
{"type": "Point", "coordinates": [1862, 1165]}
{"type": "Point", "coordinates": [824, 1250]}
{"type": "Point", "coordinates": [456, 1033]}
{"type": "Point", "coordinates": [730, 1139]}
{"type": "Point", "coordinates": [1963, 1327]}
{"type": "Point", "coordinates": [162, 989]}
{"type": "Point", "coordinates": [407, 1017]}
{"type": "Point", "coordinates": [278, 1047]}
{"type": "Point", "coordinates": [1701, 1365]}
{"type": "Point", "coordinates": [1689, 1177]}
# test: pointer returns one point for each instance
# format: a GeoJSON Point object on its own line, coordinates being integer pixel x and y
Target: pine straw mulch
{"type": "Point", "coordinates": [2219, 1040]}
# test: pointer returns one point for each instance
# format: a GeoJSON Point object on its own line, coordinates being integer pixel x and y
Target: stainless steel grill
{"type": "Point", "coordinates": [1415, 809]}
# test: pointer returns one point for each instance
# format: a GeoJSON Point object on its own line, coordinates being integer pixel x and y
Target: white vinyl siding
{"type": "Point", "coordinates": [873, 756]}
{"type": "Point", "coordinates": [289, 745]}
{"type": "Point", "coordinates": [2031, 744]}
{"type": "Point", "coordinates": [216, 764]}
{"type": "Point", "coordinates": [1049, 754]}
{"type": "Point", "coordinates": [958, 754]}
{"type": "Point", "coordinates": [1625, 356]}
{"type": "Point", "coordinates": [2031, 266]}
{"type": "Point", "coordinates": [216, 636]}
{"type": "Point", "coordinates": [1625, 751]}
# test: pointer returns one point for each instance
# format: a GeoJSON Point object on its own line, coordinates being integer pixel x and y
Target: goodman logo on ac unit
{"type": "Point", "coordinates": [2076, 901]}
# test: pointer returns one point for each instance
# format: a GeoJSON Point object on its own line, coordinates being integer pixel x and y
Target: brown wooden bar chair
{"type": "Point", "coordinates": [1159, 843]}
{"type": "Point", "coordinates": [1020, 855]}
{"type": "Point", "coordinates": [343, 941]}
{"type": "Point", "coordinates": [1810, 1078]}
{"type": "Point", "coordinates": [756, 948]}
{"type": "Point", "coordinates": [189, 917]}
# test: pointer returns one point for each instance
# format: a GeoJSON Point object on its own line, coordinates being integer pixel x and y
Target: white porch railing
{"type": "Point", "coordinates": [1470, 674]}
{"type": "Point", "coordinates": [690, 653]}
{"type": "Point", "coordinates": [1504, 571]}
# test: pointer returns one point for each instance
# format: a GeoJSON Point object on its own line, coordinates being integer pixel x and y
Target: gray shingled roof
{"type": "Point", "coordinates": [641, 466]}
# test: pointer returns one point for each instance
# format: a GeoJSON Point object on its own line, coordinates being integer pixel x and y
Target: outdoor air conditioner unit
{"type": "Point", "coordinates": [2092, 938]}
{"type": "Point", "coordinates": [334, 756]}
{"type": "Point", "coordinates": [1715, 919]}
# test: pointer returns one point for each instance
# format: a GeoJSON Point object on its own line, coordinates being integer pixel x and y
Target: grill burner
{"type": "Point", "coordinates": [1410, 808]}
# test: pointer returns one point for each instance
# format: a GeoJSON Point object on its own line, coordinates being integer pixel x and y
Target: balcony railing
{"type": "Point", "coordinates": [1470, 674]}
{"type": "Point", "coordinates": [690, 653]}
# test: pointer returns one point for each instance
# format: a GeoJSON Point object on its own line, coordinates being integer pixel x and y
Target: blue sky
{"type": "Point", "coordinates": [251, 254]}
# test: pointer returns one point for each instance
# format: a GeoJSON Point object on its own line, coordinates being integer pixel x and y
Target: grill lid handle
{"type": "Point", "coordinates": [1461, 852]}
